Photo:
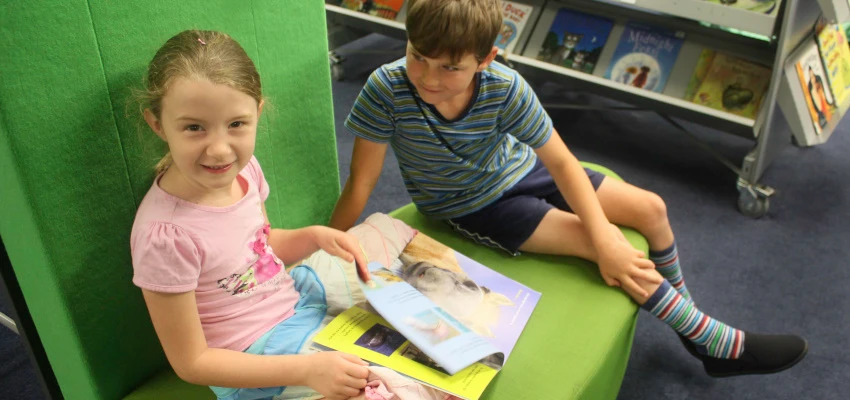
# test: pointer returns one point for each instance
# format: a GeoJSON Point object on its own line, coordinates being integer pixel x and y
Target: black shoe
{"type": "Point", "coordinates": [690, 347]}
{"type": "Point", "coordinates": [763, 354]}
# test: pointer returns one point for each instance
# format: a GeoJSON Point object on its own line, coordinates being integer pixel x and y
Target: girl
{"type": "Point", "coordinates": [209, 266]}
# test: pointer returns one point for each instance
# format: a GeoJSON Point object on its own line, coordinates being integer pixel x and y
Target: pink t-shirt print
{"type": "Point", "coordinates": [222, 254]}
{"type": "Point", "coordinates": [264, 267]}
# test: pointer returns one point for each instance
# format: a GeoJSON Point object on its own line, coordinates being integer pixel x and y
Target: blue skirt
{"type": "Point", "coordinates": [287, 337]}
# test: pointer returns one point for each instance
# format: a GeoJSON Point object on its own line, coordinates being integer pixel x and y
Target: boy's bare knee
{"type": "Point", "coordinates": [653, 210]}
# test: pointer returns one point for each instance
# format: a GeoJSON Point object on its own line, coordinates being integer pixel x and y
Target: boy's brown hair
{"type": "Point", "coordinates": [453, 27]}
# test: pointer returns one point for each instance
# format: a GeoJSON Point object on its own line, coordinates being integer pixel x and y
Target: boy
{"type": "Point", "coordinates": [477, 150]}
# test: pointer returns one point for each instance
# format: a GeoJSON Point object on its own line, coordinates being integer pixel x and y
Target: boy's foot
{"type": "Point", "coordinates": [763, 354]}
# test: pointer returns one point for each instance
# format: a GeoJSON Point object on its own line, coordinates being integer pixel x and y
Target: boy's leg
{"type": "Point", "coordinates": [712, 338]}
{"type": "Point", "coordinates": [724, 350]}
{"type": "Point", "coordinates": [629, 205]}
{"type": "Point", "coordinates": [624, 205]}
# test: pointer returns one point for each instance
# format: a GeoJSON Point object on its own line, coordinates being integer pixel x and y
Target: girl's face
{"type": "Point", "coordinates": [438, 80]}
{"type": "Point", "coordinates": [211, 131]}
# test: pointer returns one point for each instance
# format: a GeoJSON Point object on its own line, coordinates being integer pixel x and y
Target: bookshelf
{"type": "Point", "coordinates": [768, 39]}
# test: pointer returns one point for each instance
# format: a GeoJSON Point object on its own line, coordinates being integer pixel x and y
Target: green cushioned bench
{"type": "Point", "coordinates": [75, 163]}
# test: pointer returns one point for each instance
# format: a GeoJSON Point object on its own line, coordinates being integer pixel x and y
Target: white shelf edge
{"type": "Point", "coordinates": [699, 10]}
{"type": "Point", "coordinates": [370, 18]}
{"type": "Point", "coordinates": [660, 97]}
{"type": "Point", "coordinates": [837, 11]}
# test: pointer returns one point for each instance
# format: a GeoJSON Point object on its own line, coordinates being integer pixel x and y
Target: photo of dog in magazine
{"type": "Point", "coordinates": [436, 316]}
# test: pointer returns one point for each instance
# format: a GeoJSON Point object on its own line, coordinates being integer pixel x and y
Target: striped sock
{"type": "Point", "coordinates": [711, 337]}
{"type": "Point", "coordinates": [667, 264]}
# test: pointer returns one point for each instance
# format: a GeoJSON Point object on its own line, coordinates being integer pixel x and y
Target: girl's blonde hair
{"type": "Point", "coordinates": [196, 54]}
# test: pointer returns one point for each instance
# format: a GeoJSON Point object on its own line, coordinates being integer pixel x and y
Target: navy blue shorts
{"type": "Point", "coordinates": [508, 222]}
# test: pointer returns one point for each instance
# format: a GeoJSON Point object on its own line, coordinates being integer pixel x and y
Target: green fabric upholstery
{"type": "Point", "coordinates": [75, 160]}
{"type": "Point", "coordinates": [577, 343]}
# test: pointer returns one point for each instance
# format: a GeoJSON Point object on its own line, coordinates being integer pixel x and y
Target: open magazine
{"type": "Point", "coordinates": [436, 316]}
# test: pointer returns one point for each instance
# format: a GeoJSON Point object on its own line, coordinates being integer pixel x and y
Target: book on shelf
{"type": "Point", "coordinates": [846, 28]}
{"type": "Point", "coordinates": [645, 56]}
{"type": "Point", "coordinates": [436, 316]}
{"type": "Point", "coordinates": [728, 83]}
{"type": "Point", "coordinates": [514, 18]}
{"type": "Point", "coordinates": [761, 6]}
{"type": "Point", "coordinates": [818, 97]}
{"type": "Point", "coordinates": [388, 9]}
{"type": "Point", "coordinates": [575, 40]}
{"type": "Point", "coordinates": [835, 55]}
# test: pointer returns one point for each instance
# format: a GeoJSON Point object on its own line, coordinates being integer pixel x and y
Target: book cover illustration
{"type": "Point", "coordinates": [703, 64]}
{"type": "Point", "coordinates": [645, 56]}
{"type": "Point", "coordinates": [846, 28]}
{"type": "Point", "coordinates": [436, 316]}
{"type": "Point", "coordinates": [514, 18]}
{"type": "Point", "coordinates": [760, 6]}
{"type": "Point", "coordinates": [388, 9]}
{"type": "Point", "coordinates": [575, 40]}
{"type": "Point", "coordinates": [733, 85]}
{"type": "Point", "coordinates": [819, 100]}
{"type": "Point", "coordinates": [836, 59]}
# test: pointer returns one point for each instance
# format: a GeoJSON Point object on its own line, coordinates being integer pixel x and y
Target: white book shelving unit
{"type": "Point", "coordinates": [772, 39]}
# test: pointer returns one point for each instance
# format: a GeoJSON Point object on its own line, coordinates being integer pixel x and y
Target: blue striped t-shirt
{"type": "Point", "coordinates": [483, 152]}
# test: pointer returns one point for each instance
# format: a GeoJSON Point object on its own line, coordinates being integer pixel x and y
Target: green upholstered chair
{"type": "Point", "coordinates": [75, 162]}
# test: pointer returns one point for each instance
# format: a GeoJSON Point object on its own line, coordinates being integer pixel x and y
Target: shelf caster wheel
{"type": "Point", "coordinates": [337, 71]}
{"type": "Point", "coordinates": [753, 200]}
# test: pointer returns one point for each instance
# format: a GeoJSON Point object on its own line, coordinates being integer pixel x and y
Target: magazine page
{"type": "Point", "coordinates": [492, 305]}
{"type": "Point", "coordinates": [370, 337]}
{"type": "Point", "coordinates": [436, 332]}
{"type": "Point", "coordinates": [479, 308]}
{"type": "Point", "coordinates": [514, 18]}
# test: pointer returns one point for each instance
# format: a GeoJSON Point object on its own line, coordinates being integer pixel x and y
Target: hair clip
{"type": "Point", "coordinates": [202, 42]}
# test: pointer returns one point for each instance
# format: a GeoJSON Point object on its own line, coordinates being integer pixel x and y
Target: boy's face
{"type": "Point", "coordinates": [438, 80]}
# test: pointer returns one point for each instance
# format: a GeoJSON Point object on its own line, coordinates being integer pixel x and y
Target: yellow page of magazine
{"type": "Point", "coordinates": [370, 337]}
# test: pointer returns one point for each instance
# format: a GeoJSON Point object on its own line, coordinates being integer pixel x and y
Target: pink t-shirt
{"type": "Point", "coordinates": [241, 287]}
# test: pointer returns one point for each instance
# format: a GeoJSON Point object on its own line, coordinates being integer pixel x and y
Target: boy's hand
{"type": "Point", "coordinates": [345, 246]}
{"type": "Point", "coordinates": [337, 375]}
{"type": "Point", "coordinates": [620, 264]}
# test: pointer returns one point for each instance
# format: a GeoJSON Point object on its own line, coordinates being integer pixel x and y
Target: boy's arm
{"type": "Point", "coordinates": [574, 185]}
{"type": "Point", "coordinates": [618, 261]}
{"type": "Point", "coordinates": [367, 161]}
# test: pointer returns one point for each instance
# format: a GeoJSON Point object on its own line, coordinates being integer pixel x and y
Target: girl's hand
{"type": "Point", "coordinates": [620, 264]}
{"type": "Point", "coordinates": [342, 245]}
{"type": "Point", "coordinates": [337, 375]}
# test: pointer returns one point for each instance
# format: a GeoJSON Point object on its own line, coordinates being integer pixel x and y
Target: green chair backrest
{"type": "Point", "coordinates": [75, 159]}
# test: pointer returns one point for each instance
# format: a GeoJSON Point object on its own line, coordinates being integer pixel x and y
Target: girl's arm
{"type": "Point", "coordinates": [177, 324]}
{"type": "Point", "coordinates": [293, 245]}
{"type": "Point", "coordinates": [367, 160]}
